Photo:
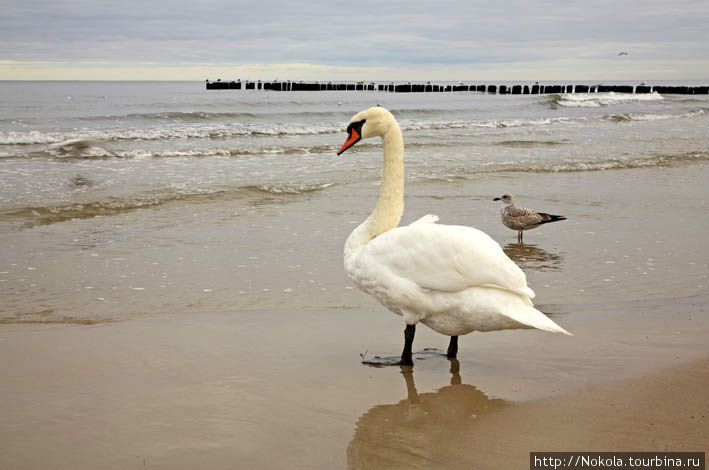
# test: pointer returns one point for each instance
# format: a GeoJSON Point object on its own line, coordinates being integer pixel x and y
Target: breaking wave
{"type": "Point", "coordinates": [501, 123]}
{"type": "Point", "coordinates": [288, 188]}
{"type": "Point", "coordinates": [599, 165]}
{"type": "Point", "coordinates": [653, 117]}
{"type": "Point", "coordinates": [654, 161]}
{"type": "Point", "coordinates": [596, 100]}
{"type": "Point", "coordinates": [174, 132]}
{"type": "Point", "coordinates": [38, 137]}
{"type": "Point", "coordinates": [230, 152]}
{"type": "Point", "coordinates": [94, 152]}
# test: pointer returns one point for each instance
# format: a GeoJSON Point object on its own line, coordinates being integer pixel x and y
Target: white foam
{"type": "Point", "coordinates": [56, 139]}
{"type": "Point", "coordinates": [160, 133]}
{"type": "Point", "coordinates": [596, 100]}
{"type": "Point", "coordinates": [501, 123]}
{"type": "Point", "coordinates": [293, 188]}
{"type": "Point", "coordinates": [663, 117]}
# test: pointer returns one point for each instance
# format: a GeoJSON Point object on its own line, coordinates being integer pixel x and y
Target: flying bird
{"type": "Point", "coordinates": [622, 53]}
{"type": "Point", "coordinates": [521, 219]}
{"type": "Point", "coordinates": [453, 279]}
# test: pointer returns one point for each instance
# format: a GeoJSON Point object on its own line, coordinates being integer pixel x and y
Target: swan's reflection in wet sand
{"type": "Point", "coordinates": [419, 431]}
{"type": "Point", "coordinates": [531, 257]}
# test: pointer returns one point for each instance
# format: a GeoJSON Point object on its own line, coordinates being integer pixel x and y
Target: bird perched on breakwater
{"type": "Point", "coordinates": [521, 219]}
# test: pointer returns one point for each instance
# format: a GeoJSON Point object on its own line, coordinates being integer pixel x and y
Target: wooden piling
{"type": "Point", "coordinates": [429, 87]}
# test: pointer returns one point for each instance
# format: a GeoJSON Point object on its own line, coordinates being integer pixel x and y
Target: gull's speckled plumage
{"type": "Point", "coordinates": [521, 219]}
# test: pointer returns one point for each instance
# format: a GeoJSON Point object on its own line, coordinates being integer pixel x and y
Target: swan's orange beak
{"type": "Point", "coordinates": [352, 138]}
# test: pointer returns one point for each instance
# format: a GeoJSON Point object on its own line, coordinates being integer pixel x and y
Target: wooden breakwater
{"type": "Point", "coordinates": [536, 89]}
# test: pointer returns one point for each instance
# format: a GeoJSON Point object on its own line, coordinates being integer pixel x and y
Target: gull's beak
{"type": "Point", "coordinates": [497, 199]}
{"type": "Point", "coordinates": [352, 138]}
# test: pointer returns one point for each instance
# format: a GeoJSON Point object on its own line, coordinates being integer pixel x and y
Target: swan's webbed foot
{"type": "Point", "coordinates": [452, 347]}
{"type": "Point", "coordinates": [406, 360]}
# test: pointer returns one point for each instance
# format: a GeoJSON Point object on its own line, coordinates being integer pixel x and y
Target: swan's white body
{"type": "Point", "coordinates": [452, 279]}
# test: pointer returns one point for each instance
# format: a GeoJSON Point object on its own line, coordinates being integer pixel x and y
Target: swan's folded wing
{"type": "Point", "coordinates": [445, 258]}
{"type": "Point", "coordinates": [426, 219]}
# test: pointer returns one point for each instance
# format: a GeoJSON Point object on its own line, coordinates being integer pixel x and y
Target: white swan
{"type": "Point", "coordinates": [452, 279]}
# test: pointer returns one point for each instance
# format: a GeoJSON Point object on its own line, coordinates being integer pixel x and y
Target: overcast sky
{"type": "Point", "coordinates": [356, 40]}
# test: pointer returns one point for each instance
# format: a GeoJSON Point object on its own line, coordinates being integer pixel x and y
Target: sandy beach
{"type": "Point", "coordinates": [270, 392]}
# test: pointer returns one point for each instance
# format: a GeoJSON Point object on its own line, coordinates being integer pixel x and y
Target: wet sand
{"type": "Point", "coordinates": [429, 430]}
{"type": "Point", "coordinates": [283, 389]}
{"type": "Point", "coordinates": [667, 411]}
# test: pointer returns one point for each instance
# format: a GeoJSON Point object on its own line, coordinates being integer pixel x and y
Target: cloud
{"type": "Point", "coordinates": [377, 36]}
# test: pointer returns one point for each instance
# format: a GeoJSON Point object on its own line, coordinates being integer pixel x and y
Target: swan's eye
{"type": "Point", "coordinates": [356, 125]}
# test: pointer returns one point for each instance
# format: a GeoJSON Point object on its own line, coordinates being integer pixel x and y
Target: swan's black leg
{"type": "Point", "coordinates": [406, 359]}
{"type": "Point", "coordinates": [453, 347]}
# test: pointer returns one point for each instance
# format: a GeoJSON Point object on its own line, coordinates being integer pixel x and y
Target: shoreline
{"type": "Point", "coordinates": [258, 388]}
{"type": "Point", "coordinates": [218, 255]}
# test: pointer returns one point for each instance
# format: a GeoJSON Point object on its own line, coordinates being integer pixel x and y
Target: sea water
{"type": "Point", "coordinates": [126, 198]}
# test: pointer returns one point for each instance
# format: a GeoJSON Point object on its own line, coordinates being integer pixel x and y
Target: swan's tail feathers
{"type": "Point", "coordinates": [530, 316]}
{"type": "Point", "coordinates": [524, 292]}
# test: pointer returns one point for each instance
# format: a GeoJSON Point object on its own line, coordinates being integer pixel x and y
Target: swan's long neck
{"type": "Point", "coordinates": [390, 205]}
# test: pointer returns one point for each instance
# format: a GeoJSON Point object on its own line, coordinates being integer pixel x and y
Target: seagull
{"type": "Point", "coordinates": [622, 53]}
{"type": "Point", "coordinates": [521, 219]}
